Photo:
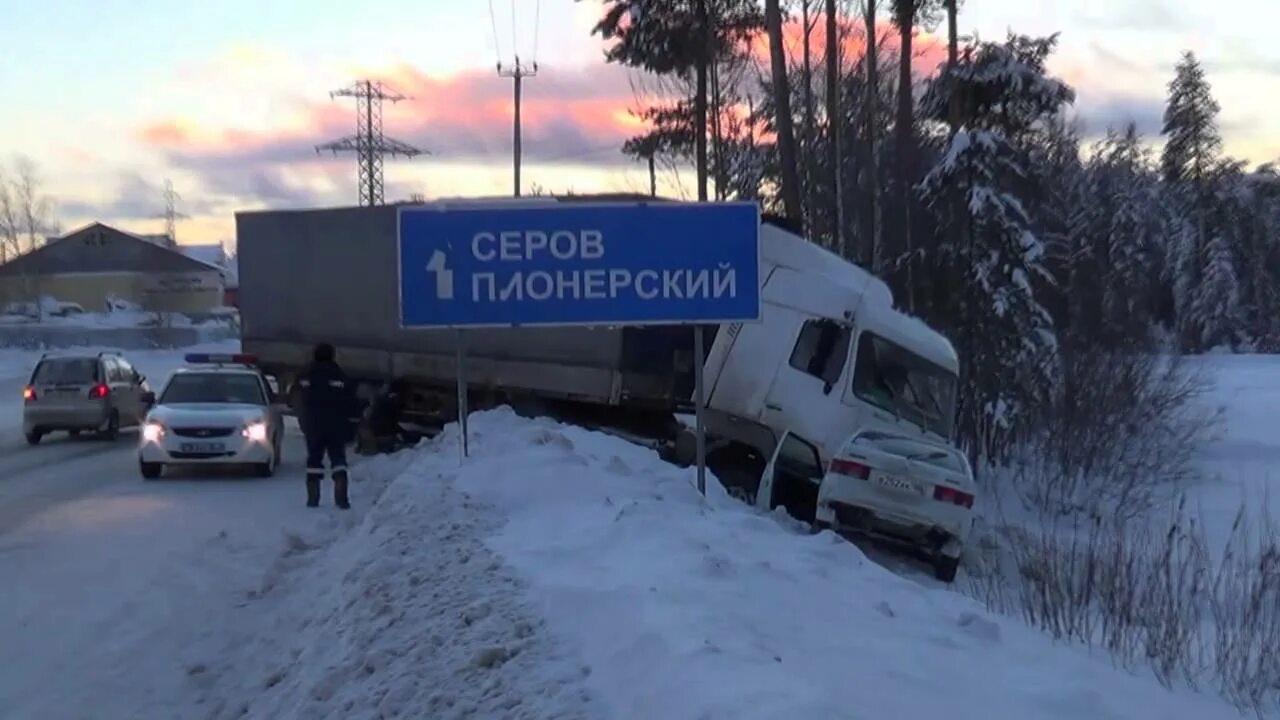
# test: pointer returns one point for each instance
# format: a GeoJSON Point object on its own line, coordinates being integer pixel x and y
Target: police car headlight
{"type": "Point", "coordinates": [256, 431]}
{"type": "Point", "coordinates": [152, 432]}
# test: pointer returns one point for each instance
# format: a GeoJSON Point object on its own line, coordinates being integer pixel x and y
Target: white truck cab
{"type": "Point", "coordinates": [830, 358]}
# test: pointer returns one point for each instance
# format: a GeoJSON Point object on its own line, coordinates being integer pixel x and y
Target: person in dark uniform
{"type": "Point", "coordinates": [328, 404]}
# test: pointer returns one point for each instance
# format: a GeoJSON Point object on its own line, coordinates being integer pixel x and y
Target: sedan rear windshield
{"type": "Point", "coordinates": [213, 388]}
{"type": "Point", "coordinates": [66, 371]}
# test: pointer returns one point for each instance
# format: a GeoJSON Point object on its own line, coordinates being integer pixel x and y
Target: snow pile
{"type": "Point", "coordinates": [564, 573]}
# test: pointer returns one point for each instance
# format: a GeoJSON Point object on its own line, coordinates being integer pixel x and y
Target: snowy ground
{"type": "Point", "coordinates": [557, 573]}
{"type": "Point", "coordinates": [1243, 463]}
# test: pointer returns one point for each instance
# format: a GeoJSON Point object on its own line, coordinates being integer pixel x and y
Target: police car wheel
{"type": "Point", "coordinates": [151, 471]}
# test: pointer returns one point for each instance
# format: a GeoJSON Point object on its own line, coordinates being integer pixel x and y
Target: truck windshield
{"type": "Point", "coordinates": [213, 388]}
{"type": "Point", "coordinates": [895, 379]}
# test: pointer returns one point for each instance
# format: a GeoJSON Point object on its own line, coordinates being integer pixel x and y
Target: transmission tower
{"type": "Point", "coordinates": [171, 214]}
{"type": "Point", "coordinates": [368, 143]}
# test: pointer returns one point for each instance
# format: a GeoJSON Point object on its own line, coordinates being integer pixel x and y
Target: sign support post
{"type": "Point", "coordinates": [700, 399]}
{"type": "Point", "coordinates": [460, 339]}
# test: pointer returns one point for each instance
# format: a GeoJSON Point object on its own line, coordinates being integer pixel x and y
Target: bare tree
{"type": "Point", "coordinates": [10, 227]}
{"type": "Point", "coordinates": [807, 22]}
{"type": "Point", "coordinates": [782, 111]}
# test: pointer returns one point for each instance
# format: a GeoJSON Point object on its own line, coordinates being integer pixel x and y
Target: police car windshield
{"type": "Point", "coordinates": [240, 388]}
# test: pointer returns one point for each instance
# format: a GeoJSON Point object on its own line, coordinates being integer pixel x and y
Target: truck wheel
{"type": "Point", "coordinates": [945, 568]}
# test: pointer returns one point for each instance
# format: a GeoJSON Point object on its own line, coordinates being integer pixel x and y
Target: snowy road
{"type": "Point", "coordinates": [116, 589]}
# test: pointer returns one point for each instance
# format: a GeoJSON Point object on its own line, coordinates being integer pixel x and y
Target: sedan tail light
{"type": "Point", "coordinates": [852, 468]}
{"type": "Point", "coordinates": [946, 494]}
{"type": "Point", "coordinates": [99, 391]}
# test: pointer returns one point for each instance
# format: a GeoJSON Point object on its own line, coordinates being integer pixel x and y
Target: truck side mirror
{"type": "Point", "coordinates": [827, 387]}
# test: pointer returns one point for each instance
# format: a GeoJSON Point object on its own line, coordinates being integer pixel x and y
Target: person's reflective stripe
{"type": "Point", "coordinates": [337, 384]}
{"type": "Point", "coordinates": [316, 471]}
{"type": "Point", "coordinates": [304, 383]}
{"type": "Point", "coordinates": [340, 468]}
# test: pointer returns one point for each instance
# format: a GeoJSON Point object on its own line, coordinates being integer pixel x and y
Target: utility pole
{"type": "Point", "coordinates": [369, 144]}
{"type": "Point", "coordinates": [517, 72]}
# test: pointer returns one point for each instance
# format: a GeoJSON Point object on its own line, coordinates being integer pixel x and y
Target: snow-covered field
{"type": "Point", "coordinates": [556, 573]}
{"type": "Point", "coordinates": [1243, 463]}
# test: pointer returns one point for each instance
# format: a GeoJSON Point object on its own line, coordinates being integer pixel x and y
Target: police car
{"type": "Point", "coordinates": [218, 410]}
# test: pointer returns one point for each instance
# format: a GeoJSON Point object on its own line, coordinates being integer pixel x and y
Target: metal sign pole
{"type": "Point", "coordinates": [462, 392]}
{"type": "Point", "coordinates": [701, 401]}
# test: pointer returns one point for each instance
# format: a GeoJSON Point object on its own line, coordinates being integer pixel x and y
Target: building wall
{"type": "Point", "coordinates": [165, 292]}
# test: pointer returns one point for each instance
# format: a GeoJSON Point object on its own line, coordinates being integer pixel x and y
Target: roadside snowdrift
{"type": "Point", "coordinates": [561, 573]}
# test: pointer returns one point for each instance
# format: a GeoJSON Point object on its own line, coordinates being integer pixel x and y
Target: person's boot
{"type": "Point", "coordinates": [313, 491]}
{"type": "Point", "coordinates": [340, 490]}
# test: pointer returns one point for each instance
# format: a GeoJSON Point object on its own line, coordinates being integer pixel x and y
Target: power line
{"type": "Point", "coordinates": [493, 20]}
{"type": "Point", "coordinates": [537, 25]}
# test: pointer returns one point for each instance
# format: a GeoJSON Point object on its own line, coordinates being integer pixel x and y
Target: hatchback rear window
{"type": "Point", "coordinates": [65, 371]}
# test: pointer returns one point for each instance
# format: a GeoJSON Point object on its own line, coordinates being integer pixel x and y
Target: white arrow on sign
{"type": "Point", "coordinates": [444, 276]}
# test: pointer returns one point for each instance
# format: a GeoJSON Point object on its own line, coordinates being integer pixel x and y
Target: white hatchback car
{"type": "Point", "coordinates": [903, 489]}
{"type": "Point", "coordinates": [219, 410]}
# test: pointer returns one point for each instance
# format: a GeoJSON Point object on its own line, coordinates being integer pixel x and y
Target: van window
{"type": "Point", "coordinates": [821, 350]}
{"type": "Point", "coordinates": [895, 379]}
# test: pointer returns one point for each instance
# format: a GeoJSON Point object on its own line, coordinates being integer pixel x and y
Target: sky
{"type": "Point", "coordinates": [229, 99]}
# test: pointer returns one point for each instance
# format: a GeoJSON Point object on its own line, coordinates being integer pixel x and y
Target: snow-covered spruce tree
{"type": "Point", "coordinates": [1260, 252]}
{"type": "Point", "coordinates": [1116, 232]}
{"type": "Point", "coordinates": [1189, 166]}
{"type": "Point", "coordinates": [1002, 331]}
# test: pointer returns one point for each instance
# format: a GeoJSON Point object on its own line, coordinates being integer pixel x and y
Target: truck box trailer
{"type": "Point", "coordinates": [830, 356]}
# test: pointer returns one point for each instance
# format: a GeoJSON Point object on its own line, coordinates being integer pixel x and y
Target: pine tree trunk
{"type": "Point", "coordinates": [717, 137]}
{"type": "Point", "coordinates": [836, 128]}
{"type": "Point", "coordinates": [870, 103]}
{"type": "Point", "coordinates": [700, 99]}
{"type": "Point", "coordinates": [810, 132]}
{"type": "Point", "coordinates": [903, 130]}
{"type": "Point", "coordinates": [782, 110]}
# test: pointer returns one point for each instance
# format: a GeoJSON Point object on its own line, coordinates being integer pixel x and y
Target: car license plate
{"type": "Point", "coordinates": [897, 484]}
{"type": "Point", "coordinates": [202, 447]}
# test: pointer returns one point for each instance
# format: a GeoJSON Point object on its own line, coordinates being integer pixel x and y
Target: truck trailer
{"type": "Point", "coordinates": [829, 339]}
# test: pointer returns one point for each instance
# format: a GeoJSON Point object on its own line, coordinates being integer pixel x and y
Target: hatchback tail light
{"type": "Point", "coordinates": [29, 394]}
{"type": "Point", "coordinates": [852, 468]}
{"type": "Point", "coordinates": [100, 391]}
{"type": "Point", "coordinates": [943, 493]}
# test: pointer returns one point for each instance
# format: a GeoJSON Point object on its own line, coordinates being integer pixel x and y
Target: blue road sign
{"type": "Point", "coordinates": [569, 264]}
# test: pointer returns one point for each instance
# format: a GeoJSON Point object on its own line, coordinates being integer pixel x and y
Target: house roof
{"type": "Point", "coordinates": [97, 248]}
{"type": "Point", "coordinates": [211, 253]}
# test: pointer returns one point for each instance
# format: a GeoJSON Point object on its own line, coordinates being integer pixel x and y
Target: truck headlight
{"type": "Point", "coordinates": [256, 431]}
{"type": "Point", "coordinates": [152, 432]}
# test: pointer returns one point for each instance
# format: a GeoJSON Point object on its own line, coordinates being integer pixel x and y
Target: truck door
{"type": "Point", "coordinates": [805, 393]}
{"type": "Point", "coordinates": [747, 356]}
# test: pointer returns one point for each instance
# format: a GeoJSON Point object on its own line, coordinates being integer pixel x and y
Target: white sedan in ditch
{"type": "Point", "coordinates": [216, 411]}
{"type": "Point", "coordinates": [902, 489]}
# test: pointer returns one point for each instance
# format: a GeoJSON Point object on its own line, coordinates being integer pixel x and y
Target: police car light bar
{"type": "Point", "coordinates": [215, 359]}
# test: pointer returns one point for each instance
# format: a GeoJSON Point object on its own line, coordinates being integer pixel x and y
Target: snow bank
{"type": "Point", "coordinates": [564, 573]}
{"type": "Point", "coordinates": [409, 615]}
